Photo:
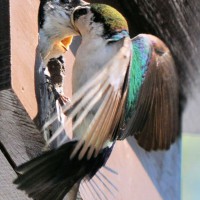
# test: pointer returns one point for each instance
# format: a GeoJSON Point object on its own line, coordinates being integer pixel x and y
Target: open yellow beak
{"type": "Point", "coordinates": [66, 42]}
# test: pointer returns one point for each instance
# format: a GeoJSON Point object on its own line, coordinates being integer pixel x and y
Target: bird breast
{"type": "Point", "coordinates": [90, 58]}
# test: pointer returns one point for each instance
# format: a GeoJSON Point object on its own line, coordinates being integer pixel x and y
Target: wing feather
{"type": "Point", "coordinates": [104, 123]}
{"type": "Point", "coordinates": [106, 90]}
{"type": "Point", "coordinates": [155, 120]}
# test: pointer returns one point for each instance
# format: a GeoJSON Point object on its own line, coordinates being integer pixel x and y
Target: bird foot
{"type": "Point", "coordinates": [63, 100]}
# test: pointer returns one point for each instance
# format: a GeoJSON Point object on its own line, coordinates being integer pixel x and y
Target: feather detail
{"type": "Point", "coordinates": [104, 88]}
{"type": "Point", "coordinates": [111, 19]}
{"type": "Point", "coordinates": [155, 120]}
{"type": "Point", "coordinates": [52, 175]}
{"type": "Point", "coordinates": [103, 125]}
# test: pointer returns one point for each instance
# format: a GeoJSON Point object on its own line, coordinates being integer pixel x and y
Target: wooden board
{"type": "Point", "coordinates": [18, 133]}
{"type": "Point", "coordinates": [24, 41]}
{"type": "Point", "coordinates": [140, 175]}
{"type": "Point", "coordinates": [8, 191]}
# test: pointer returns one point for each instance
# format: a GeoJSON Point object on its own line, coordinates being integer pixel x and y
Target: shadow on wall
{"type": "Point", "coordinates": [163, 167]}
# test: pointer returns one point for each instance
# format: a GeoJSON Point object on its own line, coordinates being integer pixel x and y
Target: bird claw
{"type": "Point", "coordinates": [63, 100]}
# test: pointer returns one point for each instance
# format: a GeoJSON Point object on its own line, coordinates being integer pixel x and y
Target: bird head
{"type": "Point", "coordinates": [57, 15]}
{"type": "Point", "coordinates": [55, 24]}
{"type": "Point", "coordinates": [99, 19]}
{"type": "Point", "coordinates": [48, 6]}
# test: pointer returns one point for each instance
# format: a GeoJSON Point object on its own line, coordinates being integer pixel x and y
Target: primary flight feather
{"type": "Point", "coordinates": [121, 87]}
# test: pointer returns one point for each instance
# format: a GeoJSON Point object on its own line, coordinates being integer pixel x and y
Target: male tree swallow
{"type": "Point", "coordinates": [121, 87]}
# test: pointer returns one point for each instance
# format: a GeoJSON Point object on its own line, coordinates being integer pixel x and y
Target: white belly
{"type": "Point", "coordinates": [89, 60]}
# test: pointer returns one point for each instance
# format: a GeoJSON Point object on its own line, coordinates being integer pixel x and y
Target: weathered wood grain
{"type": "Point", "coordinates": [23, 82]}
{"type": "Point", "coordinates": [8, 191]}
{"type": "Point", "coordinates": [176, 22]}
{"type": "Point", "coordinates": [191, 116]}
{"type": "Point", "coordinates": [164, 19]}
{"type": "Point", "coordinates": [18, 133]}
{"type": "Point", "coordinates": [24, 40]}
{"type": "Point", "coordinates": [20, 140]}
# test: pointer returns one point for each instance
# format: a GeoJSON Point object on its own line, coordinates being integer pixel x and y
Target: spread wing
{"type": "Point", "coordinates": [107, 89]}
{"type": "Point", "coordinates": [152, 109]}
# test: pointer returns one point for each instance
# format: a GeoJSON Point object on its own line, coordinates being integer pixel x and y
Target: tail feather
{"type": "Point", "coordinates": [53, 174]}
{"type": "Point", "coordinates": [56, 192]}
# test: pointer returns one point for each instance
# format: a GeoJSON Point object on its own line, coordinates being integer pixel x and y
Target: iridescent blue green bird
{"type": "Point", "coordinates": [121, 87]}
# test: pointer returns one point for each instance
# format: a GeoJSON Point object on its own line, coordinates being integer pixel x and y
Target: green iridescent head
{"type": "Point", "coordinates": [112, 20]}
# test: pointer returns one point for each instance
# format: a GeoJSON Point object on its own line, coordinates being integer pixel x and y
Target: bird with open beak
{"type": "Point", "coordinates": [121, 87]}
{"type": "Point", "coordinates": [55, 37]}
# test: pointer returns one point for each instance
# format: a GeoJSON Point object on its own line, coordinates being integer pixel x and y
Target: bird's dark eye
{"type": "Point", "coordinates": [80, 12]}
